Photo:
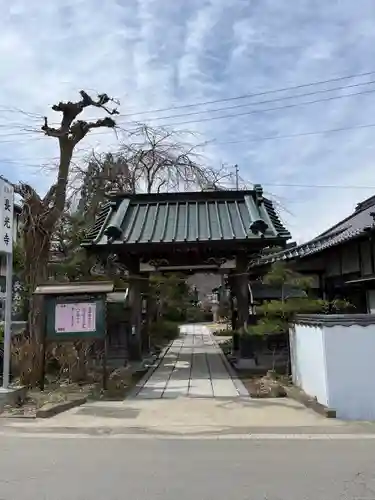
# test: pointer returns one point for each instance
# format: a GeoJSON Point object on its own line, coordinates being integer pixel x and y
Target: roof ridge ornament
{"type": "Point", "coordinates": [259, 227]}
{"type": "Point", "coordinates": [258, 190]}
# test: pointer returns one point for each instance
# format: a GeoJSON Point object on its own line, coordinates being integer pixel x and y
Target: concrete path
{"type": "Point", "coordinates": [191, 393]}
{"type": "Point", "coordinates": [194, 366]}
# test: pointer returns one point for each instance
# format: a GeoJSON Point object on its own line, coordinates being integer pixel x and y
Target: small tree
{"type": "Point", "coordinates": [172, 295]}
{"type": "Point", "coordinates": [295, 298]}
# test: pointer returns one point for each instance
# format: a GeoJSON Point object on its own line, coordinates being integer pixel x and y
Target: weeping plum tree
{"type": "Point", "coordinates": [160, 160]}
{"type": "Point", "coordinates": [152, 160]}
{"type": "Point", "coordinates": [41, 214]}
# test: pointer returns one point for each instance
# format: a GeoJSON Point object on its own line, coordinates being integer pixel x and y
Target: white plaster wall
{"type": "Point", "coordinates": [308, 361]}
{"type": "Point", "coordinates": [350, 353]}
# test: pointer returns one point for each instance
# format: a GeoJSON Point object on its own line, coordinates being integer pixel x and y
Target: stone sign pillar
{"type": "Point", "coordinates": [215, 309]}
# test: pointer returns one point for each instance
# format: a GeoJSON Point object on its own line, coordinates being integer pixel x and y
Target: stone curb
{"type": "Point", "coordinates": [298, 395]}
{"type": "Point", "coordinates": [138, 386]}
{"type": "Point", "coordinates": [241, 389]}
{"type": "Point", "coordinates": [12, 395]}
{"type": "Point", "coordinates": [51, 409]}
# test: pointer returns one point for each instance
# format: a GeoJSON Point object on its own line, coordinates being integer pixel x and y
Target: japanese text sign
{"type": "Point", "coordinates": [6, 217]}
{"type": "Point", "coordinates": [75, 318]}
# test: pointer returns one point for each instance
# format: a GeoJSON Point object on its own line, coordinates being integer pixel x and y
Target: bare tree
{"type": "Point", "coordinates": [41, 215]}
{"type": "Point", "coordinates": [152, 160]}
{"type": "Point", "coordinates": [160, 160]}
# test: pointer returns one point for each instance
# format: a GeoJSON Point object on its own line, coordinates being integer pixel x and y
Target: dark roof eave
{"type": "Point", "coordinates": [165, 244]}
{"type": "Point", "coordinates": [295, 254]}
{"type": "Point", "coordinates": [188, 195]}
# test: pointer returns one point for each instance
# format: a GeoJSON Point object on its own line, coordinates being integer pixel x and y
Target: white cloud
{"type": "Point", "coordinates": [153, 54]}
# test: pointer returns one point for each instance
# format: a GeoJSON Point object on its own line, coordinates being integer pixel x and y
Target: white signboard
{"type": "Point", "coordinates": [75, 318]}
{"type": "Point", "coordinates": [6, 217]}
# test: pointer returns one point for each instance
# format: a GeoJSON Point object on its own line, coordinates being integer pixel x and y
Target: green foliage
{"type": "Point", "coordinates": [163, 330]}
{"type": "Point", "coordinates": [268, 326]}
{"type": "Point", "coordinates": [226, 346]}
{"type": "Point", "coordinates": [1, 334]}
{"type": "Point", "coordinates": [224, 309]}
{"type": "Point", "coordinates": [281, 275]}
{"type": "Point", "coordinates": [287, 308]}
{"type": "Point", "coordinates": [197, 315]}
{"type": "Point", "coordinates": [276, 314]}
{"type": "Point", "coordinates": [173, 296]}
{"type": "Point", "coordinates": [18, 259]}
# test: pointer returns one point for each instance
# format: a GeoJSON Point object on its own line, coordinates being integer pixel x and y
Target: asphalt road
{"type": "Point", "coordinates": [33, 468]}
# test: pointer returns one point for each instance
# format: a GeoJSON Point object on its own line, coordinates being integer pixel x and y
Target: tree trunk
{"type": "Point", "coordinates": [37, 244]}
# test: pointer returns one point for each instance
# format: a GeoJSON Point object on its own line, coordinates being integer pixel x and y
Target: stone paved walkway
{"type": "Point", "coordinates": [191, 393]}
{"type": "Point", "coordinates": [193, 367]}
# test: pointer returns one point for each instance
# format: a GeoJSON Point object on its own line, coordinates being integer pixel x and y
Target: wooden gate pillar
{"type": "Point", "coordinates": [135, 306]}
{"type": "Point", "coordinates": [145, 305]}
{"type": "Point", "coordinates": [233, 309]}
{"type": "Point", "coordinates": [242, 294]}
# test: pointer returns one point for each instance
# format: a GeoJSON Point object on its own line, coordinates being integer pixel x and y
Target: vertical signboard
{"type": "Point", "coordinates": [6, 248]}
{"type": "Point", "coordinates": [6, 217]}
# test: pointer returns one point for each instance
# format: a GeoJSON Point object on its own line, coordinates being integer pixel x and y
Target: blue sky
{"type": "Point", "coordinates": [155, 54]}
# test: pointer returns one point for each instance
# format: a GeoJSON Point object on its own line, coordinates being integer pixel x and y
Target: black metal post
{"type": "Point", "coordinates": [43, 356]}
{"type": "Point", "coordinates": [105, 355]}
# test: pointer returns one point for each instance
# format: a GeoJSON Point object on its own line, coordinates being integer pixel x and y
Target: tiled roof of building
{"type": "Point", "coordinates": [359, 222]}
{"type": "Point", "coordinates": [187, 217]}
{"type": "Point", "coordinates": [262, 291]}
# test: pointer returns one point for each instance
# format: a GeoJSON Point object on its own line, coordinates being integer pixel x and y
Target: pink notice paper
{"type": "Point", "coordinates": [75, 318]}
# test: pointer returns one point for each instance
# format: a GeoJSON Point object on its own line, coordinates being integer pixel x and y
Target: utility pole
{"type": "Point", "coordinates": [237, 179]}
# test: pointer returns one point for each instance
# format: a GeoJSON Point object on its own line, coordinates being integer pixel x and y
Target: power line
{"type": "Point", "coordinates": [256, 139]}
{"type": "Point", "coordinates": [290, 136]}
{"type": "Point", "coordinates": [278, 99]}
{"type": "Point", "coordinates": [214, 142]}
{"type": "Point", "coordinates": [287, 106]}
{"type": "Point", "coordinates": [13, 109]}
{"type": "Point", "coordinates": [316, 186]}
{"type": "Point", "coordinates": [254, 94]}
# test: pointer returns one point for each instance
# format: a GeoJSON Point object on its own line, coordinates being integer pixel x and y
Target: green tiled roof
{"type": "Point", "coordinates": [187, 217]}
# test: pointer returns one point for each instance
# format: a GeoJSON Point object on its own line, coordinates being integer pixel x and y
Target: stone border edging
{"type": "Point", "coordinates": [311, 403]}
{"type": "Point", "coordinates": [52, 409]}
{"type": "Point", "coordinates": [241, 389]}
{"type": "Point", "coordinates": [12, 395]}
{"type": "Point", "coordinates": [138, 386]}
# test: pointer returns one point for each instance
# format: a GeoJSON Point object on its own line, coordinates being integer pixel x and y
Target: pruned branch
{"type": "Point", "coordinates": [49, 195]}
{"type": "Point", "coordinates": [81, 128]}
{"type": "Point", "coordinates": [71, 110]}
{"type": "Point", "coordinates": [26, 192]}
